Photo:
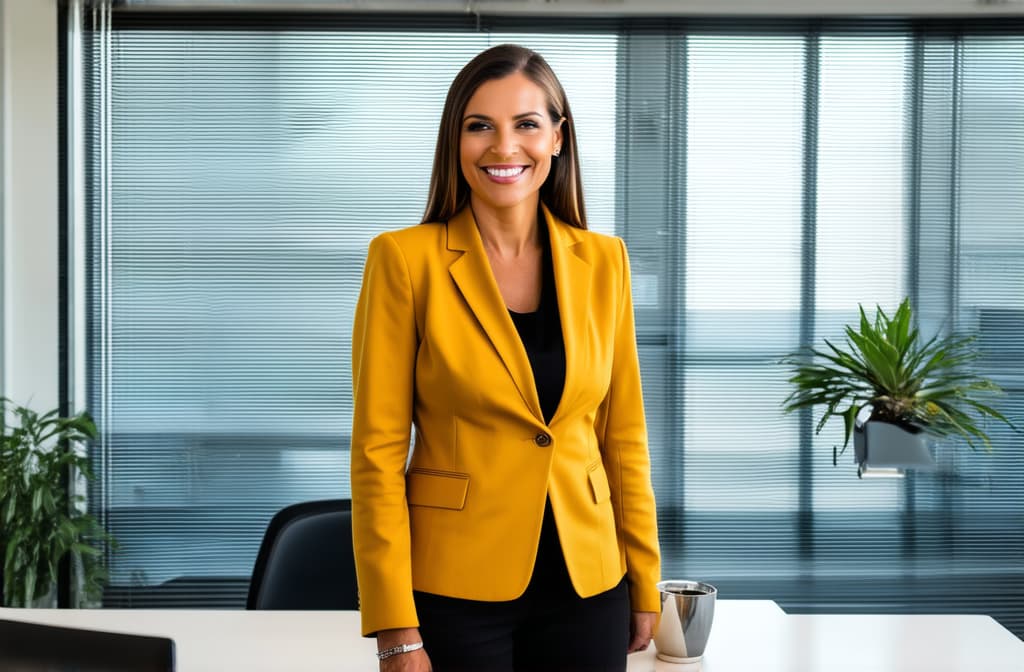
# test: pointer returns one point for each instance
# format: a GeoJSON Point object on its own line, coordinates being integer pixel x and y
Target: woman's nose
{"type": "Point", "coordinates": [505, 144]}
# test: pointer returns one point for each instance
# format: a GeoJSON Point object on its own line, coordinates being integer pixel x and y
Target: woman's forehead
{"type": "Point", "coordinates": [510, 96]}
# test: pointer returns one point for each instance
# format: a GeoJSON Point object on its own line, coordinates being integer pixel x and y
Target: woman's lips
{"type": "Point", "coordinates": [504, 174]}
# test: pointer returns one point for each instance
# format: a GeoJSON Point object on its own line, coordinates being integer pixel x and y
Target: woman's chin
{"type": "Point", "coordinates": [505, 201]}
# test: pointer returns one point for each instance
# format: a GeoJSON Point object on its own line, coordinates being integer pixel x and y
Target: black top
{"type": "Point", "coordinates": [541, 334]}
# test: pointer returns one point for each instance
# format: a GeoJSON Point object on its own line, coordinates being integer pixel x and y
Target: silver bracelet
{"type": "Point", "coordinates": [401, 648]}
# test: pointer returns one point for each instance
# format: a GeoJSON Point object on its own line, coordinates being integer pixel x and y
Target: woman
{"type": "Point", "coordinates": [521, 533]}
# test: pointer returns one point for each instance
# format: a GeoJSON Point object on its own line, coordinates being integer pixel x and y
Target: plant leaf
{"type": "Point", "coordinates": [849, 420]}
{"type": "Point", "coordinates": [86, 549]}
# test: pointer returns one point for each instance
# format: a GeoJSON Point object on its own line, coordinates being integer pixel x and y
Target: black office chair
{"type": "Point", "coordinates": [305, 560]}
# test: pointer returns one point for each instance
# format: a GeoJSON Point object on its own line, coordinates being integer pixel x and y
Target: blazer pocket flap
{"type": "Point", "coordinates": [599, 483]}
{"type": "Point", "coordinates": [437, 489]}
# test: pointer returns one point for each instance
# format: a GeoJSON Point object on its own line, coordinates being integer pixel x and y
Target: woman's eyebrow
{"type": "Point", "coordinates": [518, 116]}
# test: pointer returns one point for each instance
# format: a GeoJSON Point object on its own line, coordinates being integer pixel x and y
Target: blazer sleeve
{"type": "Point", "coordinates": [622, 425]}
{"type": "Point", "coordinates": [384, 343]}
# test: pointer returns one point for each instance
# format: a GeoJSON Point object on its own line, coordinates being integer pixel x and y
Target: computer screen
{"type": "Point", "coordinates": [35, 647]}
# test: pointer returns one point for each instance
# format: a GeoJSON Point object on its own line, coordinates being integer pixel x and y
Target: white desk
{"type": "Point", "coordinates": [748, 636]}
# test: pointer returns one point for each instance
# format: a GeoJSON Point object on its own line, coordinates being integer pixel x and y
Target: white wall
{"type": "Point", "coordinates": [28, 87]}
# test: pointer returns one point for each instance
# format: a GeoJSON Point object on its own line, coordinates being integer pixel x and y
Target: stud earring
{"type": "Point", "coordinates": [558, 150]}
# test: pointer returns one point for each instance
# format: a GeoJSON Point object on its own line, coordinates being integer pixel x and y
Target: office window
{"type": "Point", "coordinates": [861, 230]}
{"type": "Point", "coordinates": [767, 178]}
{"type": "Point", "coordinates": [743, 188]}
{"type": "Point", "coordinates": [249, 171]}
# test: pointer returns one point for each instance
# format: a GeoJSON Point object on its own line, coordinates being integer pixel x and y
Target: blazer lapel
{"type": "Point", "coordinates": [472, 274]}
{"type": "Point", "coordinates": [572, 279]}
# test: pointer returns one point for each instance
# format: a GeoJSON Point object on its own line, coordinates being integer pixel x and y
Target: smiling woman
{"type": "Point", "coordinates": [505, 156]}
{"type": "Point", "coordinates": [507, 144]}
{"type": "Point", "coordinates": [503, 330]}
{"type": "Point", "coordinates": [522, 89]}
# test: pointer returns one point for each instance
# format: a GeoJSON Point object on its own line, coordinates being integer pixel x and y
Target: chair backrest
{"type": "Point", "coordinates": [38, 647]}
{"type": "Point", "coordinates": [306, 560]}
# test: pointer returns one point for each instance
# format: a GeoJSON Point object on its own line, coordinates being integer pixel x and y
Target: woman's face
{"type": "Point", "coordinates": [506, 142]}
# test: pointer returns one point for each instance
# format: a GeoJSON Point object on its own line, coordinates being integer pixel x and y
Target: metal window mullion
{"type": "Point", "coordinates": [676, 177]}
{"type": "Point", "coordinates": [948, 489]}
{"type": "Point", "coordinates": [913, 272]}
{"type": "Point", "coordinates": [953, 296]}
{"type": "Point", "coordinates": [808, 271]}
{"type": "Point", "coordinates": [93, 370]}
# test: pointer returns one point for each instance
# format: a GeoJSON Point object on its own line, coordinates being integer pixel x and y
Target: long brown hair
{"type": "Point", "coordinates": [562, 191]}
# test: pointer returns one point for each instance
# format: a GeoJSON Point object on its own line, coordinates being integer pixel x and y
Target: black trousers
{"type": "Point", "coordinates": [548, 629]}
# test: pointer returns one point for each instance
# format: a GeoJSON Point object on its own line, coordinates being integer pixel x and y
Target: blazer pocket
{"type": "Point", "coordinates": [436, 489]}
{"type": "Point", "coordinates": [598, 482]}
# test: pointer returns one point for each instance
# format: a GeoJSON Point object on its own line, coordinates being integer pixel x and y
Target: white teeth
{"type": "Point", "coordinates": [505, 172]}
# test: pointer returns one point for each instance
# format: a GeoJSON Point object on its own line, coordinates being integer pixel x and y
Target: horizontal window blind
{"type": "Point", "coordinates": [742, 267]}
{"type": "Point", "coordinates": [766, 178]}
{"type": "Point", "coordinates": [976, 515]}
{"type": "Point", "coordinates": [248, 173]}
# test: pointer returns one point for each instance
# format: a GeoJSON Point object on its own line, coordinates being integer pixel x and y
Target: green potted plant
{"type": "Point", "coordinates": [909, 388]}
{"type": "Point", "coordinates": [40, 523]}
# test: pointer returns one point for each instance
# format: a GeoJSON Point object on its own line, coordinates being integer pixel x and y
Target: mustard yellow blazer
{"type": "Point", "coordinates": [434, 346]}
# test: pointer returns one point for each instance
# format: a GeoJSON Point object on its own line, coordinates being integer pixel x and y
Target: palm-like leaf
{"type": "Point", "coordinates": [885, 366]}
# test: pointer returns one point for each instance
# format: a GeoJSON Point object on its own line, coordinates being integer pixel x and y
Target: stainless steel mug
{"type": "Point", "coordinates": [687, 609]}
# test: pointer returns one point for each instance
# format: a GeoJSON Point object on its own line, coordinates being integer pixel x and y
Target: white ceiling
{"type": "Point", "coordinates": [937, 8]}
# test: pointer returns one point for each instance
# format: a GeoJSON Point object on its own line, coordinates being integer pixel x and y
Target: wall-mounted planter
{"type": "Point", "coordinates": [883, 445]}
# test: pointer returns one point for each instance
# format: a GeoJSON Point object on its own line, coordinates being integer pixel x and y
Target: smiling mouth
{"type": "Point", "coordinates": [505, 172]}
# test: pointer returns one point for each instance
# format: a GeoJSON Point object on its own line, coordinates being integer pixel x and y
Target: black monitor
{"type": "Point", "coordinates": [35, 647]}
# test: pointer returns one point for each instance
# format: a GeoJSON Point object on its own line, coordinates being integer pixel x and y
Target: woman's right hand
{"type": "Point", "coordinates": [414, 661]}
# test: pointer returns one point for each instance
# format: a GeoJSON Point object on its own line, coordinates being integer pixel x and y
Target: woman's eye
{"type": "Point", "coordinates": [476, 126]}
{"type": "Point", "coordinates": [529, 124]}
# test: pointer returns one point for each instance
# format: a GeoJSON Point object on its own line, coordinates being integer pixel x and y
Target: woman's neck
{"type": "Point", "coordinates": [508, 232]}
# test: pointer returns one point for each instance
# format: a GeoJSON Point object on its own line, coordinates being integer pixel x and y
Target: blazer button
{"type": "Point", "coordinates": [542, 440]}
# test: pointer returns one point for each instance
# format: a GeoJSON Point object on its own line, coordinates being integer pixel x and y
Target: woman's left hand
{"type": "Point", "coordinates": [641, 630]}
